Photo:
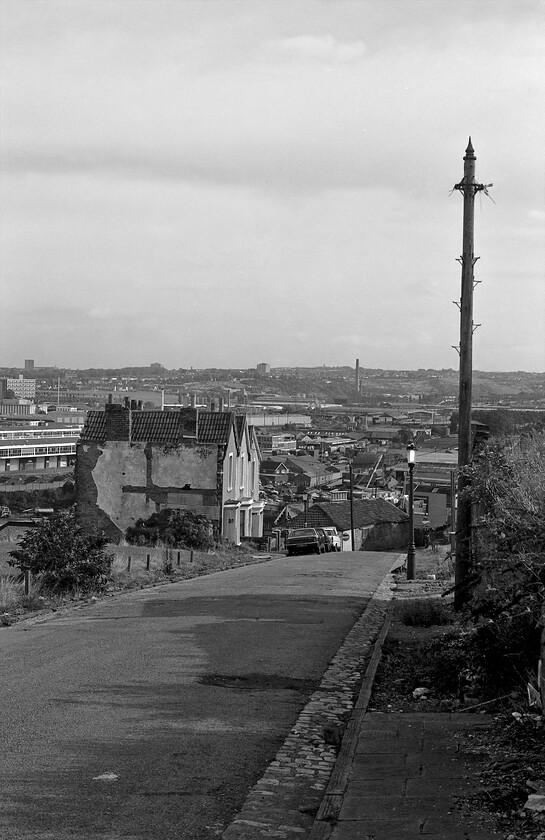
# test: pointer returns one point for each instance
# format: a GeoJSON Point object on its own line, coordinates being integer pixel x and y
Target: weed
{"type": "Point", "coordinates": [13, 598]}
{"type": "Point", "coordinates": [425, 612]}
{"type": "Point", "coordinates": [10, 593]}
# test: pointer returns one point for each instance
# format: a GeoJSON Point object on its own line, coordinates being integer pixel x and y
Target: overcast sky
{"type": "Point", "coordinates": [222, 183]}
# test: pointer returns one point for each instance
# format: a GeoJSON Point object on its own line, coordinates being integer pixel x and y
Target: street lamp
{"type": "Point", "coordinates": [411, 551]}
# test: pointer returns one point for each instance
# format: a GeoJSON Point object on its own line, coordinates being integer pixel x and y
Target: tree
{"type": "Point", "coordinates": [502, 422]}
{"type": "Point", "coordinates": [174, 528]}
{"type": "Point", "coordinates": [62, 556]}
{"type": "Point", "coordinates": [404, 435]}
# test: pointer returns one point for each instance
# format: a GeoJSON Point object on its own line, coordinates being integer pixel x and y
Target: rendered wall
{"type": "Point", "coordinates": [118, 483]}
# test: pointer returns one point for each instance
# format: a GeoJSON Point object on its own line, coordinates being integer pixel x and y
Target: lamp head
{"type": "Point", "coordinates": [410, 453]}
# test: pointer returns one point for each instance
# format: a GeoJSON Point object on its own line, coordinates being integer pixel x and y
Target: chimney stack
{"type": "Point", "coordinates": [358, 375]}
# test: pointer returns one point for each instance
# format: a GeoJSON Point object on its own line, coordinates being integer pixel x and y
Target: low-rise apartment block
{"type": "Point", "coordinates": [35, 449]}
{"type": "Point", "coordinates": [276, 443]}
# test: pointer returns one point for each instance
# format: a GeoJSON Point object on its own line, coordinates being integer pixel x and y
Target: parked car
{"type": "Point", "coordinates": [333, 539]}
{"type": "Point", "coordinates": [304, 541]}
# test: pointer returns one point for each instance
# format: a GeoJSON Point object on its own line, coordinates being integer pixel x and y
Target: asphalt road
{"type": "Point", "coordinates": [182, 694]}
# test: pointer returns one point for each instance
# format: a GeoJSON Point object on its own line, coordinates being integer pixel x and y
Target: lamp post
{"type": "Point", "coordinates": [352, 508]}
{"type": "Point", "coordinates": [411, 551]}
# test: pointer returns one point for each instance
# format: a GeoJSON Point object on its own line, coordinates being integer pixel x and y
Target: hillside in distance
{"type": "Point", "coordinates": [323, 384]}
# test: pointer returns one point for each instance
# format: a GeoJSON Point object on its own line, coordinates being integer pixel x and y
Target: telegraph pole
{"type": "Point", "coordinates": [352, 507]}
{"type": "Point", "coordinates": [468, 187]}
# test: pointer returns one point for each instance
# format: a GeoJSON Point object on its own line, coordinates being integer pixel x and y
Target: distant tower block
{"type": "Point", "coordinates": [29, 364]}
{"type": "Point", "coordinates": [263, 369]}
{"type": "Point", "coordinates": [358, 375]}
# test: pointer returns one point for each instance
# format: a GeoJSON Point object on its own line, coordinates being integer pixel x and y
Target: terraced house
{"type": "Point", "coordinates": [131, 463]}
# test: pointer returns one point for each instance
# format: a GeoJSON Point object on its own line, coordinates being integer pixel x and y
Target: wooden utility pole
{"type": "Point", "coordinates": [468, 187]}
{"type": "Point", "coordinates": [352, 507]}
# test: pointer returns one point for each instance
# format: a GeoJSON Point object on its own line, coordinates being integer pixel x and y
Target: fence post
{"type": "Point", "coordinates": [191, 556]}
{"type": "Point", "coordinates": [27, 581]}
{"type": "Point", "coordinates": [178, 560]}
{"type": "Point", "coordinates": [129, 563]}
{"type": "Point", "coordinates": [147, 562]}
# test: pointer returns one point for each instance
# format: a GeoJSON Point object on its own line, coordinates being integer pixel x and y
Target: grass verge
{"type": "Point", "coordinates": [132, 567]}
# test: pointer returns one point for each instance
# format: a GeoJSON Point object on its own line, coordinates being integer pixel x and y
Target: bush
{"type": "Point", "coordinates": [508, 495]}
{"type": "Point", "coordinates": [62, 556]}
{"type": "Point", "coordinates": [174, 529]}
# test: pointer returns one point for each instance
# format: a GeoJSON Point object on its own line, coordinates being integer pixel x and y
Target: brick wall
{"type": "Point", "coordinates": [88, 513]}
{"type": "Point", "coordinates": [118, 422]}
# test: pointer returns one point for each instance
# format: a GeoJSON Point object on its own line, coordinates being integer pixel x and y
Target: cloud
{"type": "Point", "coordinates": [171, 163]}
{"type": "Point", "coordinates": [323, 48]}
{"type": "Point", "coordinates": [384, 120]}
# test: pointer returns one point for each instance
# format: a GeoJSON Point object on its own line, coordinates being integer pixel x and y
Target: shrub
{"type": "Point", "coordinates": [174, 529]}
{"type": "Point", "coordinates": [508, 495]}
{"type": "Point", "coordinates": [62, 556]}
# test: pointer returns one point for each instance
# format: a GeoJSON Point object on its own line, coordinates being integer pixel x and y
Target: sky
{"type": "Point", "coordinates": [218, 183]}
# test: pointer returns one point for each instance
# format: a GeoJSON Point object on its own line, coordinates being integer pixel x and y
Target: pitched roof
{"type": "Point", "coordinates": [310, 470]}
{"type": "Point", "coordinates": [240, 425]}
{"type": "Point", "coordinates": [94, 427]}
{"type": "Point", "coordinates": [366, 512]}
{"type": "Point", "coordinates": [152, 426]}
{"type": "Point", "coordinates": [268, 465]}
{"type": "Point", "coordinates": [304, 464]}
{"type": "Point", "coordinates": [165, 427]}
{"type": "Point", "coordinates": [214, 426]}
{"type": "Point", "coordinates": [155, 426]}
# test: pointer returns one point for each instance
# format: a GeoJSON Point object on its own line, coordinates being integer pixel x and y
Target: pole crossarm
{"type": "Point", "coordinates": [468, 188]}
